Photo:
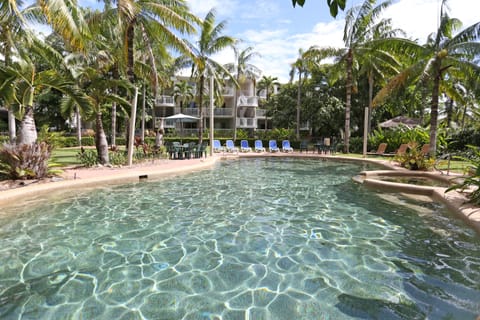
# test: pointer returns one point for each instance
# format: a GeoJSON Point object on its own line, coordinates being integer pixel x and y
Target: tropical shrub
{"type": "Point", "coordinates": [459, 141]}
{"type": "Point", "coordinates": [402, 134]}
{"type": "Point", "coordinates": [414, 159]}
{"type": "Point", "coordinates": [53, 139]}
{"type": "Point", "coordinates": [26, 161]}
{"type": "Point", "coordinates": [88, 158]}
{"type": "Point", "coordinates": [472, 182]}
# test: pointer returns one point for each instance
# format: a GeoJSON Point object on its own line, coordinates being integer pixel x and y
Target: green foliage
{"type": "Point", "coordinates": [472, 182]}
{"type": "Point", "coordinates": [458, 142]}
{"type": "Point", "coordinates": [402, 134]}
{"type": "Point", "coordinates": [26, 161]}
{"type": "Point", "coordinates": [414, 159]}
{"type": "Point", "coordinates": [117, 158]}
{"type": "Point", "coordinates": [88, 158]}
{"type": "Point", "coordinates": [51, 138]}
{"type": "Point", "coordinates": [277, 134]}
{"type": "Point", "coordinates": [242, 134]}
{"type": "Point", "coordinates": [356, 145]}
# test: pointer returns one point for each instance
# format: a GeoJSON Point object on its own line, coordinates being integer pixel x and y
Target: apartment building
{"type": "Point", "coordinates": [240, 106]}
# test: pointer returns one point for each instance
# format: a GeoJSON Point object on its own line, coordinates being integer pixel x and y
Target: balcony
{"type": "Point", "coordinates": [219, 112]}
{"type": "Point", "coordinates": [247, 123]}
{"type": "Point", "coordinates": [261, 113]}
{"type": "Point", "coordinates": [244, 101]}
{"type": "Point", "coordinates": [194, 112]}
{"type": "Point", "coordinates": [165, 101]}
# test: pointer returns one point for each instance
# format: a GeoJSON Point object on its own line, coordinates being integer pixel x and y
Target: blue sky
{"type": "Point", "coordinates": [277, 30]}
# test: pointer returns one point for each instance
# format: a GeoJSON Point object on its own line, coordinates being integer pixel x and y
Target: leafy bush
{"type": "Point", "coordinates": [88, 158]}
{"type": "Point", "coordinates": [414, 159]}
{"type": "Point", "coordinates": [461, 140]}
{"type": "Point", "coordinates": [473, 181]}
{"type": "Point", "coordinates": [26, 161]}
{"type": "Point", "coordinates": [53, 139]}
{"type": "Point", "coordinates": [117, 158]}
{"type": "Point", "coordinates": [396, 136]}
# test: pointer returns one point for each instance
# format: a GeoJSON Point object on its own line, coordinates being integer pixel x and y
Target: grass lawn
{"type": "Point", "coordinates": [65, 157]}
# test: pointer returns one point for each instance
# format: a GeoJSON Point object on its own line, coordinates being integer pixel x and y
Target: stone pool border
{"type": "Point", "coordinates": [80, 178]}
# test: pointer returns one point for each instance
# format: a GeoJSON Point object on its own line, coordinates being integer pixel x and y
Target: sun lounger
{"type": "Point", "coordinates": [380, 151]}
{"type": "Point", "coordinates": [230, 146]}
{"type": "Point", "coordinates": [217, 146]}
{"type": "Point", "coordinates": [286, 146]}
{"type": "Point", "coordinates": [272, 146]}
{"type": "Point", "coordinates": [259, 146]}
{"type": "Point", "coordinates": [244, 146]}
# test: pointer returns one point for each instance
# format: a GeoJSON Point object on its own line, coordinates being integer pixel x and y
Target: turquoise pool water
{"type": "Point", "coordinates": [250, 239]}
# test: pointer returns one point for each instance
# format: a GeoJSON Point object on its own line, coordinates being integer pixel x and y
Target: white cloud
{"type": "Point", "coordinates": [274, 35]}
{"type": "Point", "coordinates": [224, 8]}
{"type": "Point", "coordinates": [419, 18]}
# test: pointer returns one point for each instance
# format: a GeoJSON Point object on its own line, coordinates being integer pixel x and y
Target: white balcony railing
{"type": "Point", "coordinates": [261, 113]}
{"type": "Point", "coordinates": [244, 101]}
{"type": "Point", "coordinates": [165, 101]}
{"type": "Point", "coordinates": [222, 112]}
{"type": "Point", "coordinates": [247, 123]}
{"type": "Point", "coordinates": [188, 111]}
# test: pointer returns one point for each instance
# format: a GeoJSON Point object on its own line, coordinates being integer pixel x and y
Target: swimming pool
{"type": "Point", "coordinates": [249, 239]}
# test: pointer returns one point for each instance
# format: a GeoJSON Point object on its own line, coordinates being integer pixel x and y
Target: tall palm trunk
{"type": "Point", "coordinates": [101, 140]}
{"type": "Point", "coordinates": [113, 139]}
{"type": "Point", "coordinates": [348, 101]}
{"type": "Point", "coordinates": [434, 108]}
{"type": "Point", "coordinates": [370, 102]}
{"type": "Point", "coordinates": [235, 110]}
{"type": "Point", "coordinates": [200, 109]}
{"type": "Point", "coordinates": [12, 129]}
{"type": "Point", "coordinates": [299, 100]}
{"type": "Point", "coordinates": [28, 130]}
{"type": "Point", "coordinates": [79, 126]}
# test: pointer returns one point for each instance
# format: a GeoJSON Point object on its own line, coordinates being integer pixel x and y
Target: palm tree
{"type": "Point", "coordinates": [21, 81]}
{"type": "Point", "coordinates": [210, 42]}
{"type": "Point", "coordinates": [358, 31]}
{"type": "Point", "coordinates": [300, 67]}
{"type": "Point", "coordinates": [12, 32]}
{"type": "Point", "coordinates": [242, 70]}
{"type": "Point", "coordinates": [268, 84]}
{"type": "Point", "coordinates": [183, 91]}
{"type": "Point", "coordinates": [445, 56]}
{"type": "Point", "coordinates": [97, 87]}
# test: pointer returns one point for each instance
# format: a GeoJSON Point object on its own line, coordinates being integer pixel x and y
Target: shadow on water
{"type": "Point", "coordinates": [363, 308]}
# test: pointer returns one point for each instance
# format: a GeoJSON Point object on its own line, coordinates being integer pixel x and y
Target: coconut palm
{"type": "Point", "coordinates": [97, 88]}
{"type": "Point", "coordinates": [183, 92]}
{"type": "Point", "coordinates": [21, 81]}
{"type": "Point", "coordinates": [12, 31]}
{"type": "Point", "coordinates": [445, 56]}
{"type": "Point", "coordinates": [242, 70]}
{"type": "Point", "coordinates": [360, 24]}
{"type": "Point", "coordinates": [268, 84]}
{"type": "Point", "coordinates": [300, 67]}
{"type": "Point", "coordinates": [211, 41]}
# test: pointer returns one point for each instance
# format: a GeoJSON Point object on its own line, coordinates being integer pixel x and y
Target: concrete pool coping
{"type": "Point", "coordinates": [77, 178]}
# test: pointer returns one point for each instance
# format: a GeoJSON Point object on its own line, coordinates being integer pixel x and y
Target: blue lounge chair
{"type": "Point", "coordinates": [217, 146]}
{"type": "Point", "coordinates": [272, 146]}
{"type": "Point", "coordinates": [286, 146]}
{"type": "Point", "coordinates": [259, 146]}
{"type": "Point", "coordinates": [230, 146]}
{"type": "Point", "coordinates": [244, 146]}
